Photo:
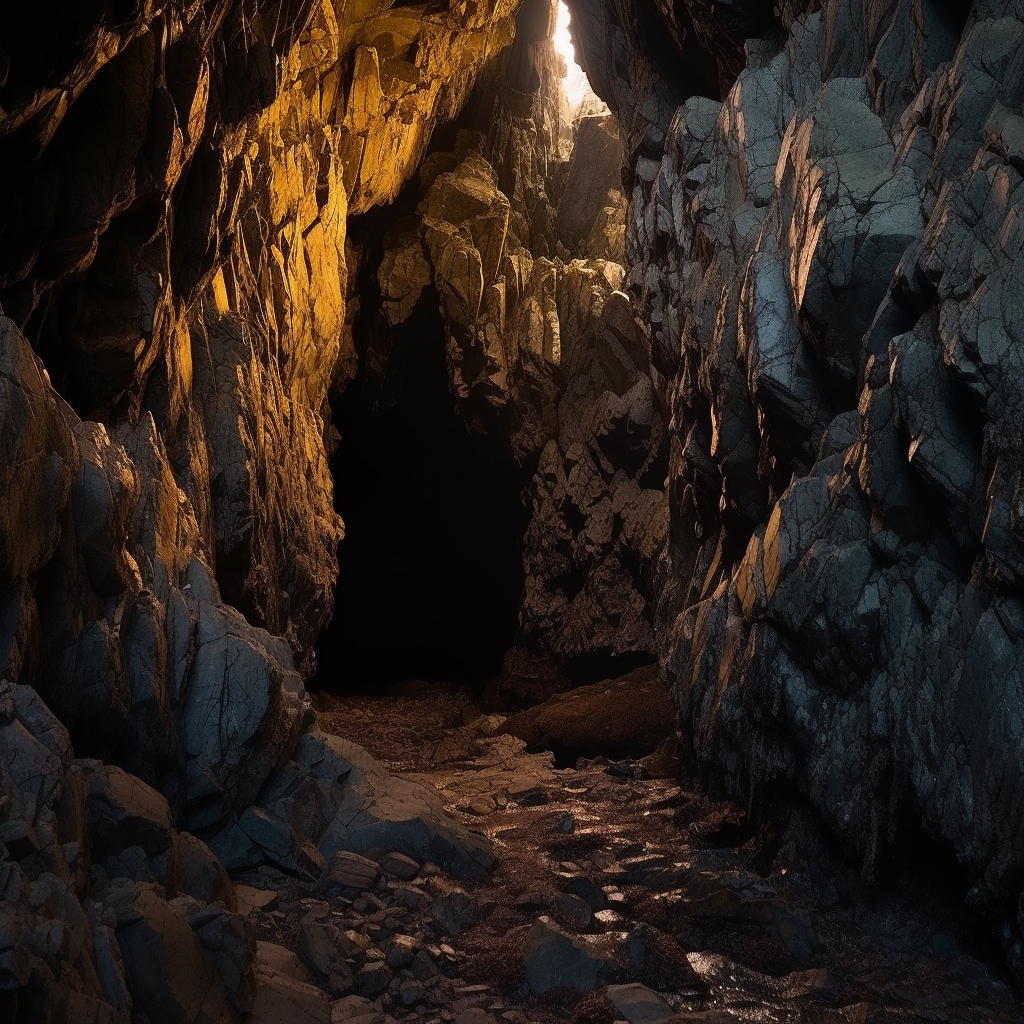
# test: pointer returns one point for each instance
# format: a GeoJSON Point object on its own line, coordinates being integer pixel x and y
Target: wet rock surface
{"type": "Point", "coordinates": [812, 241]}
{"type": "Point", "coordinates": [688, 925]}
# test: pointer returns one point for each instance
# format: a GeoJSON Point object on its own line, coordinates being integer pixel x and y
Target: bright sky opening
{"type": "Point", "coordinates": [575, 82]}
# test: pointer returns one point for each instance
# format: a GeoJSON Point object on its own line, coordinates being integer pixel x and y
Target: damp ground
{"type": "Point", "coordinates": [616, 896]}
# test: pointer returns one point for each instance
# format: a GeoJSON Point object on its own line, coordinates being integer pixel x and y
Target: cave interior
{"type": "Point", "coordinates": [512, 511]}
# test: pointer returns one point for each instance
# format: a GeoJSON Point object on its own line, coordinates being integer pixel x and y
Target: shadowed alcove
{"type": "Point", "coordinates": [430, 571]}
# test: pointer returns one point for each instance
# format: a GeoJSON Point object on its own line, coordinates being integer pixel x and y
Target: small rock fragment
{"type": "Point", "coordinates": [458, 912]}
{"type": "Point", "coordinates": [398, 865]}
{"type": "Point", "coordinates": [373, 978]}
{"type": "Point", "coordinates": [553, 959]}
{"type": "Point", "coordinates": [638, 1004]}
{"type": "Point", "coordinates": [350, 871]}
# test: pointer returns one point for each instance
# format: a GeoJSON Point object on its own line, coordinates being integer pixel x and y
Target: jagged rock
{"type": "Point", "coordinates": [457, 912]}
{"type": "Point", "coordinates": [398, 865]}
{"type": "Point", "coordinates": [355, 1010]}
{"type": "Point", "coordinates": [816, 342]}
{"type": "Point", "coordinates": [124, 813]}
{"type": "Point", "coordinates": [593, 178]}
{"type": "Point", "coordinates": [555, 960]}
{"type": "Point", "coordinates": [231, 938]}
{"type": "Point", "coordinates": [167, 974]}
{"type": "Point", "coordinates": [317, 947]}
{"type": "Point", "coordinates": [801, 244]}
{"type": "Point", "coordinates": [350, 871]}
{"type": "Point", "coordinates": [377, 811]}
{"type": "Point", "coordinates": [373, 978]}
{"type": "Point", "coordinates": [534, 344]}
{"type": "Point", "coordinates": [284, 994]}
{"type": "Point", "coordinates": [40, 456]}
{"type": "Point", "coordinates": [225, 768]}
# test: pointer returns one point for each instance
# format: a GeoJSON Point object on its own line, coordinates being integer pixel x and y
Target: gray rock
{"type": "Point", "coordinates": [168, 977]}
{"type": "Point", "coordinates": [283, 993]}
{"type": "Point", "coordinates": [348, 871]}
{"type": "Point", "coordinates": [355, 1010]}
{"type": "Point", "coordinates": [572, 911]}
{"type": "Point", "coordinates": [587, 890]}
{"type": "Point", "coordinates": [231, 938]}
{"type": "Point", "coordinates": [235, 666]}
{"type": "Point", "coordinates": [398, 865]}
{"type": "Point", "coordinates": [377, 811]}
{"type": "Point", "coordinates": [123, 813]}
{"type": "Point", "coordinates": [317, 946]}
{"type": "Point", "coordinates": [638, 1004]}
{"type": "Point", "coordinates": [457, 912]}
{"type": "Point", "coordinates": [373, 978]}
{"type": "Point", "coordinates": [554, 960]}
{"type": "Point", "coordinates": [401, 952]}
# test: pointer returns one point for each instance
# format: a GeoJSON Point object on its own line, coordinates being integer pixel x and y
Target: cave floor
{"type": "Point", "coordinates": [616, 897]}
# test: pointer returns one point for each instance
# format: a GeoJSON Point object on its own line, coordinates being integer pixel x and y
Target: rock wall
{"type": "Point", "coordinates": [545, 355]}
{"type": "Point", "coordinates": [826, 254]}
{"type": "Point", "coordinates": [176, 181]}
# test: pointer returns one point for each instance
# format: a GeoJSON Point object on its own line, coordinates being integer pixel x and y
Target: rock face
{"type": "Point", "coordinates": [180, 257]}
{"type": "Point", "coordinates": [544, 352]}
{"type": "Point", "coordinates": [808, 320]}
{"type": "Point", "coordinates": [175, 189]}
{"type": "Point", "coordinates": [825, 255]}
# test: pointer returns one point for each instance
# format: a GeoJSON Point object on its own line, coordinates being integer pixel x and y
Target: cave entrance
{"type": "Point", "coordinates": [575, 83]}
{"type": "Point", "coordinates": [430, 570]}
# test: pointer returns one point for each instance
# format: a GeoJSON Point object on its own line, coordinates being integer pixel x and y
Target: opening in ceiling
{"type": "Point", "coordinates": [576, 83]}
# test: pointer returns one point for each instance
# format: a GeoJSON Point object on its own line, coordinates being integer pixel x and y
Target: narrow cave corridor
{"type": "Point", "coordinates": [430, 571]}
{"type": "Point", "coordinates": [511, 512]}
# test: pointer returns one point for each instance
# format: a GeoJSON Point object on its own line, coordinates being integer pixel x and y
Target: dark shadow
{"type": "Point", "coordinates": [431, 566]}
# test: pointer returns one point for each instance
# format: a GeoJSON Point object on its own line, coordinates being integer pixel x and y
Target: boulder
{"type": "Point", "coordinates": [457, 912]}
{"type": "Point", "coordinates": [554, 960]}
{"type": "Point", "coordinates": [169, 978]}
{"type": "Point", "coordinates": [618, 718]}
{"type": "Point", "coordinates": [638, 1004]}
{"type": "Point", "coordinates": [378, 811]}
{"type": "Point", "coordinates": [284, 994]}
{"type": "Point", "coordinates": [348, 871]}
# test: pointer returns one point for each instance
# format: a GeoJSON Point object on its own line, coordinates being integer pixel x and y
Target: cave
{"type": "Point", "coordinates": [511, 512]}
{"type": "Point", "coordinates": [430, 572]}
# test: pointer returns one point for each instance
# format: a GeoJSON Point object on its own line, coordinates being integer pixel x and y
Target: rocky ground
{"type": "Point", "coordinates": [617, 895]}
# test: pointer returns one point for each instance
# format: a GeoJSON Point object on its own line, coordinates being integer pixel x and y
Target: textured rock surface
{"type": "Point", "coordinates": [544, 353]}
{"type": "Point", "coordinates": [180, 254]}
{"type": "Point", "coordinates": [617, 718]}
{"type": "Point", "coordinates": [825, 255]}
{"type": "Point", "coordinates": [175, 186]}
{"type": "Point", "coordinates": [816, 328]}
